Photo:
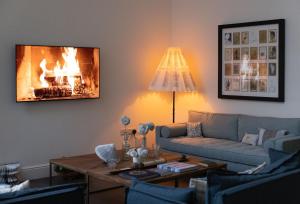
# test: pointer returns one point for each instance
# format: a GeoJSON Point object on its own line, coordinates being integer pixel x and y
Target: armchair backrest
{"type": "Point", "coordinates": [280, 189]}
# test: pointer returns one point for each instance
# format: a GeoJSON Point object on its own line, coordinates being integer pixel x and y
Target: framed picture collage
{"type": "Point", "coordinates": [251, 61]}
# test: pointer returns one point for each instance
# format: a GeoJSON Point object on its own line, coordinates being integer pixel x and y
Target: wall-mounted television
{"type": "Point", "coordinates": [57, 73]}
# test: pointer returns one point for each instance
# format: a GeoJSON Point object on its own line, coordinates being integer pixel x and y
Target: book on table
{"type": "Point", "coordinates": [177, 167]}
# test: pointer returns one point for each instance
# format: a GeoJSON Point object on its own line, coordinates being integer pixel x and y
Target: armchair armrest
{"type": "Point", "coordinates": [288, 143]}
{"type": "Point", "coordinates": [173, 130]}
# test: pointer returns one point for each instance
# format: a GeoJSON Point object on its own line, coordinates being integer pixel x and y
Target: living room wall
{"type": "Point", "coordinates": [195, 29]}
{"type": "Point", "coordinates": [132, 36]}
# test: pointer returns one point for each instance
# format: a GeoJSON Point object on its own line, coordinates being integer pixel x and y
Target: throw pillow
{"type": "Point", "coordinates": [268, 134]}
{"type": "Point", "coordinates": [144, 191]}
{"type": "Point", "coordinates": [250, 139]}
{"type": "Point", "coordinates": [194, 129]}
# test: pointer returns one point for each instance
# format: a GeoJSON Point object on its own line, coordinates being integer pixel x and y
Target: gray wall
{"type": "Point", "coordinates": [195, 24]}
{"type": "Point", "coordinates": [132, 35]}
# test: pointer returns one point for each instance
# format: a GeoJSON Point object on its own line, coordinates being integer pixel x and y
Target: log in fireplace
{"type": "Point", "coordinates": [56, 72]}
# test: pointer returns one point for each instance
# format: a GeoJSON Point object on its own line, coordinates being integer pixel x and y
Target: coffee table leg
{"type": "Point", "coordinates": [50, 174]}
{"type": "Point", "coordinates": [87, 179]}
{"type": "Point", "coordinates": [176, 183]}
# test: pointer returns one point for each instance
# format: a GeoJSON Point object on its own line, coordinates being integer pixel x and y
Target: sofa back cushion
{"type": "Point", "coordinates": [251, 124]}
{"type": "Point", "coordinates": [216, 125]}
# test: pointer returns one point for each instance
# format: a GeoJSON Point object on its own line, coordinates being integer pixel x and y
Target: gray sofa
{"type": "Point", "coordinates": [222, 136]}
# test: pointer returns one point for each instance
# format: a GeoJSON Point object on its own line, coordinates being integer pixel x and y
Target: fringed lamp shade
{"type": "Point", "coordinates": [173, 73]}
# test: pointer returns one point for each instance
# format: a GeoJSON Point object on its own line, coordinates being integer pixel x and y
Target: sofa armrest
{"type": "Point", "coordinates": [288, 143]}
{"type": "Point", "coordinates": [173, 130]}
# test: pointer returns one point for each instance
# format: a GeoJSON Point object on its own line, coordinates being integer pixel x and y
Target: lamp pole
{"type": "Point", "coordinates": [173, 106]}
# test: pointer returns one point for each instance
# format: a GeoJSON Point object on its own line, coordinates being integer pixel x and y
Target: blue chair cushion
{"type": "Point", "coordinates": [146, 193]}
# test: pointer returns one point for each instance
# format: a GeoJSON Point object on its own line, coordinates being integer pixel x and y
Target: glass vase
{"type": "Point", "coordinates": [125, 145]}
{"type": "Point", "coordinates": [144, 141]}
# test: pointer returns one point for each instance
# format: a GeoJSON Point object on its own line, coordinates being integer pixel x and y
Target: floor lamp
{"type": "Point", "coordinates": [173, 75]}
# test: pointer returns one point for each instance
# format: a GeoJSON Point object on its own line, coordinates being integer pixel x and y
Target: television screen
{"type": "Point", "coordinates": [57, 72]}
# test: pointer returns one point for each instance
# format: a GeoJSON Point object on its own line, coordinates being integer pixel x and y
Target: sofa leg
{"type": "Point", "coordinates": [176, 183]}
{"type": "Point", "coordinates": [50, 174]}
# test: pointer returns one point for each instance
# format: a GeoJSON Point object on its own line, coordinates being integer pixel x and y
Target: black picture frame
{"type": "Point", "coordinates": [280, 96]}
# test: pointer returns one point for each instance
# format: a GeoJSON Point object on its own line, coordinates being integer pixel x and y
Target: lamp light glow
{"type": "Point", "coordinates": [173, 75]}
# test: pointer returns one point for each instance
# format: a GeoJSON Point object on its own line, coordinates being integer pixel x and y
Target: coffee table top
{"type": "Point", "coordinates": [91, 165]}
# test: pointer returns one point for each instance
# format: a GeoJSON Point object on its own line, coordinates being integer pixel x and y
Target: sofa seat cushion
{"type": "Point", "coordinates": [219, 149]}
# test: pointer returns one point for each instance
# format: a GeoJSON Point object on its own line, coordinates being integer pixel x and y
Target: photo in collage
{"type": "Point", "coordinates": [250, 59]}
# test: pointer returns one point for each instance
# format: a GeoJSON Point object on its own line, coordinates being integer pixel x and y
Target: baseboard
{"type": "Point", "coordinates": [35, 171]}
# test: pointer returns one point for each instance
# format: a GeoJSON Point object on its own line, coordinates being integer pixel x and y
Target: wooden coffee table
{"type": "Point", "coordinates": [91, 166]}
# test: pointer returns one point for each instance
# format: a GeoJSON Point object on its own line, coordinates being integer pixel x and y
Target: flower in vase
{"type": "Point", "coordinates": [150, 126]}
{"type": "Point", "coordinates": [143, 129]}
{"type": "Point", "coordinates": [125, 120]}
{"type": "Point", "coordinates": [139, 152]}
{"type": "Point", "coordinates": [132, 153]}
{"type": "Point", "coordinates": [142, 152]}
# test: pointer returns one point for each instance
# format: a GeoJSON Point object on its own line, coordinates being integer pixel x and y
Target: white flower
{"type": "Point", "coordinates": [125, 120]}
{"type": "Point", "coordinates": [132, 153]}
{"type": "Point", "coordinates": [142, 152]}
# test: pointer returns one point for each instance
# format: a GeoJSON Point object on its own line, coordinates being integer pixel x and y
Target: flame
{"type": "Point", "coordinates": [70, 69]}
{"type": "Point", "coordinates": [43, 64]}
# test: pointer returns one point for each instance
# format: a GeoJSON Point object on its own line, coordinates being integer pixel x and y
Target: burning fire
{"type": "Point", "coordinates": [70, 70]}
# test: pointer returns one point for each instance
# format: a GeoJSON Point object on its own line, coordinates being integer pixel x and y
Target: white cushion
{"type": "Point", "coordinates": [264, 135]}
{"type": "Point", "coordinates": [250, 139]}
